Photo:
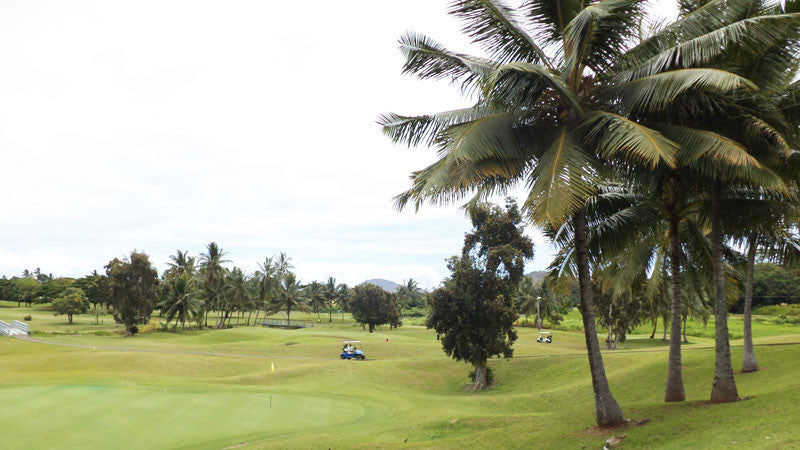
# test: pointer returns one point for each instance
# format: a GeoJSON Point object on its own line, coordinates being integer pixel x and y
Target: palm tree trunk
{"type": "Point", "coordinates": [685, 319]}
{"type": "Point", "coordinates": [674, 391]}
{"type": "Point", "coordinates": [330, 314]}
{"type": "Point", "coordinates": [606, 409]}
{"type": "Point", "coordinates": [288, 311]}
{"type": "Point", "coordinates": [724, 388]}
{"type": "Point", "coordinates": [655, 327]}
{"type": "Point", "coordinates": [749, 361]}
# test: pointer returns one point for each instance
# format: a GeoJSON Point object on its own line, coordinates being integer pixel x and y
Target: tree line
{"type": "Point", "coordinates": [195, 288]}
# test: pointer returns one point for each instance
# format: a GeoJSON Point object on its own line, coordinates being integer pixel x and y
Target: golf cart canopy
{"type": "Point", "coordinates": [352, 342]}
{"type": "Point", "coordinates": [544, 332]}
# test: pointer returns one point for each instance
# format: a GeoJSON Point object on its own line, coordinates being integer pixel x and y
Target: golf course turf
{"type": "Point", "coordinates": [217, 389]}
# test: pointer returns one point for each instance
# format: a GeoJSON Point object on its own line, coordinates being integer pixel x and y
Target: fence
{"type": "Point", "coordinates": [5, 329]}
{"type": "Point", "coordinates": [281, 323]}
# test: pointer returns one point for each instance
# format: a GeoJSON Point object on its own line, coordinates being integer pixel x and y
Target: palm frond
{"type": "Point", "coordinates": [751, 34]}
{"type": "Point", "coordinates": [654, 93]}
{"type": "Point", "coordinates": [612, 135]}
{"type": "Point", "coordinates": [428, 59]}
{"type": "Point", "coordinates": [561, 181]}
{"type": "Point", "coordinates": [523, 83]}
{"type": "Point", "coordinates": [416, 130]}
{"type": "Point", "coordinates": [550, 18]}
{"type": "Point", "coordinates": [494, 26]}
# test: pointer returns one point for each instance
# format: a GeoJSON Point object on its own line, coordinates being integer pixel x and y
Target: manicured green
{"type": "Point", "coordinates": [67, 397]}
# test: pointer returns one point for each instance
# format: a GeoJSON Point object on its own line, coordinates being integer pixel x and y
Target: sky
{"type": "Point", "coordinates": [165, 125]}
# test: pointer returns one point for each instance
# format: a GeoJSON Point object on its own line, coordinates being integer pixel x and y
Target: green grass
{"type": "Point", "coordinates": [68, 397]}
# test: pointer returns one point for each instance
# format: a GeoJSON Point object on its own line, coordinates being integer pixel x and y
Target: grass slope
{"type": "Point", "coordinates": [406, 394]}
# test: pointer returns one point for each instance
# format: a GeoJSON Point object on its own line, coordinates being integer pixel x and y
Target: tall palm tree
{"type": "Point", "coordinates": [344, 294]}
{"type": "Point", "coordinates": [331, 295]}
{"type": "Point", "coordinates": [182, 300]}
{"type": "Point", "coordinates": [267, 283]}
{"type": "Point", "coordinates": [315, 293]}
{"type": "Point", "coordinates": [554, 119]}
{"type": "Point", "coordinates": [237, 294]}
{"type": "Point", "coordinates": [180, 263]}
{"type": "Point", "coordinates": [763, 224]}
{"type": "Point", "coordinates": [213, 274]}
{"type": "Point", "coordinates": [290, 296]}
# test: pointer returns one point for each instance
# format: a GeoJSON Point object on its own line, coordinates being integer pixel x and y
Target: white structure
{"type": "Point", "coordinates": [16, 327]}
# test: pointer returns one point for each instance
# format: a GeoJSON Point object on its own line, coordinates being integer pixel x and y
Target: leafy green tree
{"type": "Point", "coordinates": [134, 289]}
{"type": "Point", "coordinates": [24, 290]}
{"type": "Point", "coordinates": [52, 288]}
{"type": "Point", "coordinates": [372, 306]}
{"type": "Point", "coordinates": [238, 294]}
{"type": "Point", "coordinates": [71, 301]}
{"type": "Point", "coordinates": [474, 311]}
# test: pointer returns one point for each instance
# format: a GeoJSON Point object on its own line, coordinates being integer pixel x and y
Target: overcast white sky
{"type": "Point", "coordinates": [164, 125]}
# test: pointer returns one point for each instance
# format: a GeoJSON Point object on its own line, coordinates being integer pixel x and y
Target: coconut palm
{"type": "Point", "coordinates": [290, 296]}
{"type": "Point", "coordinates": [213, 275]}
{"type": "Point", "coordinates": [182, 301]}
{"type": "Point", "coordinates": [267, 280]}
{"type": "Point", "coordinates": [180, 263]}
{"type": "Point", "coordinates": [555, 119]}
{"type": "Point", "coordinates": [238, 295]}
{"type": "Point", "coordinates": [407, 294]}
{"type": "Point", "coordinates": [315, 294]}
{"type": "Point", "coordinates": [343, 296]}
{"type": "Point", "coordinates": [763, 224]}
{"type": "Point", "coordinates": [331, 296]}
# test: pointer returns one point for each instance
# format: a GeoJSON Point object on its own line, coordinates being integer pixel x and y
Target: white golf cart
{"type": "Point", "coordinates": [545, 336]}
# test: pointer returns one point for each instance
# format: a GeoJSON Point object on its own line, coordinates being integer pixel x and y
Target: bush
{"type": "Point", "coordinates": [27, 318]}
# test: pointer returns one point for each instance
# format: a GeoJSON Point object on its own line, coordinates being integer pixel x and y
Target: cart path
{"type": "Point", "coordinates": [311, 358]}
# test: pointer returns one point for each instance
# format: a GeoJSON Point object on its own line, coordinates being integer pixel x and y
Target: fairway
{"type": "Point", "coordinates": [169, 390]}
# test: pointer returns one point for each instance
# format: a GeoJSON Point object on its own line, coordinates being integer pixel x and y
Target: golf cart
{"type": "Point", "coordinates": [545, 336]}
{"type": "Point", "coordinates": [350, 350]}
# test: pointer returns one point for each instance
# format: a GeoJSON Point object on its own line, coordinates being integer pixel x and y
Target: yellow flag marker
{"type": "Point", "coordinates": [273, 367]}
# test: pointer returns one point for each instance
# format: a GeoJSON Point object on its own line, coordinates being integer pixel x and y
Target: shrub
{"type": "Point", "coordinates": [27, 318]}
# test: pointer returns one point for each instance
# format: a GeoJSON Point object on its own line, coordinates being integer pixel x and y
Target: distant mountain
{"type": "Point", "coordinates": [386, 285]}
{"type": "Point", "coordinates": [537, 275]}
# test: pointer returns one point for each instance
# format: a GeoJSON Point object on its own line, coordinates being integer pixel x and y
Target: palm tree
{"type": "Point", "coordinates": [182, 300]}
{"type": "Point", "coordinates": [267, 281]}
{"type": "Point", "coordinates": [407, 294]}
{"type": "Point", "coordinates": [213, 274]}
{"type": "Point", "coordinates": [290, 296]}
{"type": "Point", "coordinates": [763, 224]}
{"type": "Point", "coordinates": [331, 296]}
{"type": "Point", "coordinates": [180, 263]}
{"type": "Point", "coordinates": [527, 299]}
{"type": "Point", "coordinates": [315, 293]}
{"type": "Point", "coordinates": [237, 293]}
{"type": "Point", "coordinates": [555, 119]}
{"type": "Point", "coordinates": [344, 293]}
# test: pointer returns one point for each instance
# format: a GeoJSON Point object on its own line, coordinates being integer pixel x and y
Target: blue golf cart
{"type": "Point", "coordinates": [350, 350]}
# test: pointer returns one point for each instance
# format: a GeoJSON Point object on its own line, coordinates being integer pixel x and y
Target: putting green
{"type": "Point", "coordinates": [135, 416]}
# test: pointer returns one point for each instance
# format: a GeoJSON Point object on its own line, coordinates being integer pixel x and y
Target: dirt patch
{"type": "Point", "coordinates": [604, 431]}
